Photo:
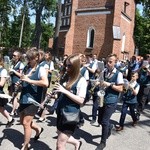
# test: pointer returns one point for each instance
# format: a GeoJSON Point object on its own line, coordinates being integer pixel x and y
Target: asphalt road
{"type": "Point", "coordinates": [131, 138]}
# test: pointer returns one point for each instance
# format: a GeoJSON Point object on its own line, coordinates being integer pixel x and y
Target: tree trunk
{"type": "Point", "coordinates": [57, 28]}
{"type": "Point", "coordinates": [38, 28]}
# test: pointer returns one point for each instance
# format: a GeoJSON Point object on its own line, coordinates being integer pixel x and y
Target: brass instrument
{"type": "Point", "coordinates": [100, 78]}
{"type": "Point", "coordinates": [48, 97]}
{"type": "Point", "coordinates": [94, 85]}
{"type": "Point", "coordinates": [101, 94]}
{"type": "Point", "coordinates": [126, 85]}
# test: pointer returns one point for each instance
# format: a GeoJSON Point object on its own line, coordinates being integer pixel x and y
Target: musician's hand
{"type": "Point", "coordinates": [11, 70]}
{"type": "Point", "coordinates": [106, 84]}
{"type": "Point", "coordinates": [59, 88]}
{"type": "Point", "coordinates": [97, 83]}
{"type": "Point", "coordinates": [25, 78]}
{"type": "Point", "coordinates": [130, 87]}
{"type": "Point", "coordinates": [51, 95]}
{"type": "Point", "coordinates": [17, 84]}
{"type": "Point", "coordinates": [86, 65]}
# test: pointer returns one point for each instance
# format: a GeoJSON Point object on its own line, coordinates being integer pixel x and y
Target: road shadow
{"type": "Point", "coordinates": [16, 137]}
{"type": "Point", "coordinates": [86, 136]}
{"type": "Point", "coordinates": [51, 120]}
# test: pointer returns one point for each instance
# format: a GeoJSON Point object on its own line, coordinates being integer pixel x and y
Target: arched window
{"type": "Point", "coordinates": [90, 38]}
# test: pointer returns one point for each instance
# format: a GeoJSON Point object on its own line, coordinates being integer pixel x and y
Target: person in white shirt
{"type": "Point", "coordinates": [72, 96]}
{"type": "Point", "coordinates": [129, 101]}
{"type": "Point", "coordinates": [3, 101]}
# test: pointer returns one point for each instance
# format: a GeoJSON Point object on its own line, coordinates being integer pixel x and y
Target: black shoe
{"type": "Point", "coordinates": [119, 128]}
{"type": "Point", "coordinates": [109, 132]}
{"type": "Point", "coordinates": [101, 146]}
{"type": "Point", "coordinates": [10, 123]}
{"type": "Point", "coordinates": [138, 116]}
{"type": "Point", "coordinates": [38, 136]}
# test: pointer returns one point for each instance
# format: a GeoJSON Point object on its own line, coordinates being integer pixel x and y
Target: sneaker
{"type": "Point", "coordinates": [10, 123]}
{"type": "Point", "coordinates": [101, 146]}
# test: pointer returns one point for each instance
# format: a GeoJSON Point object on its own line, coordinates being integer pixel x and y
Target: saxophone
{"type": "Point", "coordinates": [94, 85]}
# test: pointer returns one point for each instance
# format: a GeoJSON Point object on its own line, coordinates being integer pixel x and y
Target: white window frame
{"type": "Point", "coordinates": [89, 34]}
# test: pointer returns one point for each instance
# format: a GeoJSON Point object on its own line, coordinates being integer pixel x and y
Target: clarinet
{"type": "Point", "coordinates": [18, 87]}
{"type": "Point", "coordinates": [53, 94]}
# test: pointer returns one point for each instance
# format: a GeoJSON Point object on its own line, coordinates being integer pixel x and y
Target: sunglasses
{"type": "Point", "coordinates": [68, 65]}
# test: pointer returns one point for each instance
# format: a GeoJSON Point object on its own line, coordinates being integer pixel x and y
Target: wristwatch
{"type": "Point", "coordinates": [111, 85]}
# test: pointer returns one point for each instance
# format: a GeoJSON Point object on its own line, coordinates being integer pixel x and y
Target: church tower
{"type": "Point", "coordinates": [99, 26]}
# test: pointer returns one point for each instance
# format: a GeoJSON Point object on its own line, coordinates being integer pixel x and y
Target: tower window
{"type": "Point", "coordinates": [90, 38]}
{"type": "Point", "coordinates": [125, 6]}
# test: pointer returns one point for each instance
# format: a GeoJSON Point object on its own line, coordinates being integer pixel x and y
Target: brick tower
{"type": "Point", "coordinates": [99, 26]}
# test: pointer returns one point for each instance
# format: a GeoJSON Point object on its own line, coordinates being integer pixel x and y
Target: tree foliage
{"type": "Point", "coordinates": [34, 34]}
{"type": "Point", "coordinates": [142, 32]}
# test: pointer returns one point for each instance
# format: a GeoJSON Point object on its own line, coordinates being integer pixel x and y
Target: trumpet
{"type": "Point", "coordinates": [127, 85]}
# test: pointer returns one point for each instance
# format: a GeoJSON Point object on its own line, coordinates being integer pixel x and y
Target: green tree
{"type": "Point", "coordinates": [142, 27]}
{"type": "Point", "coordinates": [16, 26]}
{"type": "Point", "coordinates": [47, 32]}
{"type": "Point", "coordinates": [5, 10]}
{"type": "Point", "coordinates": [43, 9]}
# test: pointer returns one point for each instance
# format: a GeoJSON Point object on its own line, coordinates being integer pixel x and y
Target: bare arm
{"type": "Point", "coordinates": [19, 74]}
{"type": "Point", "coordinates": [2, 82]}
{"type": "Point", "coordinates": [116, 87]}
{"type": "Point", "coordinates": [42, 82]}
{"type": "Point", "coordinates": [77, 99]}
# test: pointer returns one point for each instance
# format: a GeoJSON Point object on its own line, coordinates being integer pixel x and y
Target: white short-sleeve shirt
{"type": "Point", "coordinates": [3, 73]}
{"type": "Point", "coordinates": [51, 65]}
{"type": "Point", "coordinates": [42, 72]}
{"type": "Point", "coordinates": [82, 87]}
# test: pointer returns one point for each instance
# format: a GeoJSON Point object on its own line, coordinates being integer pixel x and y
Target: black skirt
{"type": "Point", "coordinates": [28, 109]}
{"type": "Point", "coordinates": [3, 102]}
{"type": "Point", "coordinates": [67, 128]}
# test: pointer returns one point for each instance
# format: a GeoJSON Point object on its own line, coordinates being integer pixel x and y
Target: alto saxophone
{"type": "Point", "coordinates": [100, 78]}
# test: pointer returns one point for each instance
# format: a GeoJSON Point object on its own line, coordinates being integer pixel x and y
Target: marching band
{"type": "Point", "coordinates": [80, 79]}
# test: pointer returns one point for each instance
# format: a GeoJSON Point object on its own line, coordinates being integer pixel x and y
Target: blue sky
{"type": "Point", "coordinates": [140, 7]}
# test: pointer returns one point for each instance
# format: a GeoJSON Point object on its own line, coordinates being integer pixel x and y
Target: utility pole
{"type": "Point", "coordinates": [21, 32]}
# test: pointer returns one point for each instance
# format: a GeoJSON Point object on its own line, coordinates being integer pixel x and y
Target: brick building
{"type": "Point", "coordinates": [99, 26]}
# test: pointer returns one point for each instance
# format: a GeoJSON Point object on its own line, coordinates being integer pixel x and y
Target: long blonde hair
{"type": "Point", "coordinates": [74, 60]}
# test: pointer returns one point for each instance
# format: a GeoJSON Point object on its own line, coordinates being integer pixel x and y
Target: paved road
{"type": "Point", "coordinates": [131, 138]}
